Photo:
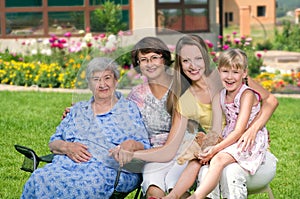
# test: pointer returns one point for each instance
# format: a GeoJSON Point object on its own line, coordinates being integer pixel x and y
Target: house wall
{"type": "Point", "coordinates": [235, 5]}
{"type": "Point", "coordinates": [143, 24]}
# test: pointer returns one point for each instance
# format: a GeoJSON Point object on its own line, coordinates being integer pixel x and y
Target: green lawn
{"type": "Point", "coordinates": [30, 118]}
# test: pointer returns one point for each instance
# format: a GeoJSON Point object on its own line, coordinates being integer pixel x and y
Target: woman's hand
{"type": "Point", "coordinates": [65, 113]}
{"type": "Point", "coordinates": [77, 152]}
{"type": "Point", "coordinates": [121, 155]}
{"type": "Point", "coordinates": [206, 155]}
{"type": "Point", "coordinates": [246, 141]}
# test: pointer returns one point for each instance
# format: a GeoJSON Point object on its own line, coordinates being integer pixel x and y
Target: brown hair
{"type": "Point", "coordinates": [155, 45]}
{"type": "Point", "coordinates": [150, 45]}
{"type": "Point", "coordinates": [194, 40]}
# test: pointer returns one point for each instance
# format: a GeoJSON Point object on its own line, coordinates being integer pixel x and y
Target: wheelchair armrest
{"type": "Point", "coordinates": [47, 158]}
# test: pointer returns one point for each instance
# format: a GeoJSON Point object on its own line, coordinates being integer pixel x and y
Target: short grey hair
{"type": "Point", "coordinates": [102, 64]}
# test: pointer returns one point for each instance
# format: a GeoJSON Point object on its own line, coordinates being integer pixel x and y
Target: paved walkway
{"type": "Point", "coordinates": [283, 61]}
{"type": "Point", "coordinates": [4, 87]}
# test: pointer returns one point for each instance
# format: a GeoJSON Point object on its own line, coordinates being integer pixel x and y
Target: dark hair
{"type": "Point", "coordinates": [194, 40]}
{"type": "Point", "coordinates": [150, 45]}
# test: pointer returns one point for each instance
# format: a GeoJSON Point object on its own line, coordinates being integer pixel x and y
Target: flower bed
{"type": "Point", "coordinates": [59, 62]}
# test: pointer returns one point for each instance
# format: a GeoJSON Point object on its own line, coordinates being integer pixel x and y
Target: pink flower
{"type": "Point", "coordinates": [172, 48]}
{"type": "Point", "coordinates": [120, 33]}
{"type": "Point", "coordinates": [62, 41]}
{"type": "Point", "coordinates": [225, 47]}
{"type": "Point", "coordinates": [234, 33]}
{"type": "Point", "coordinates": [215, 59]}
{"type": "Point", "coordinates": [220, 36]}
{"type": "Point", "coordinates": [213, 53]}
{"type": "Point", "coordinates": [53, 39]}
{"type": "Point", "coordinates": [67, 34]}
{"type": "Point", "coordinates": [236, 40]}
{"type": "Point", "coordinates": [209, 44]}
{"type": "Point", "coordinates": [102, 35]}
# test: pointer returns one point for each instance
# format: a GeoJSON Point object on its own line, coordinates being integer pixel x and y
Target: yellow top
{"type": "Point", "coordinates": [191, 108]}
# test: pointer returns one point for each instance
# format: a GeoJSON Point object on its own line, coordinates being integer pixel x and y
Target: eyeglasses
{"type": "Point", "coordinates": [155, 59]}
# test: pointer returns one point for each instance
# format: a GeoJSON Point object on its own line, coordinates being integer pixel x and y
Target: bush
{"type": "Point", "coordinates": [289, 38]}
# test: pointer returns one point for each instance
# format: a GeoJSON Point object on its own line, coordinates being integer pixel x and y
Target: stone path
{"type": "Point", "coordinates": [4, 87]}
{"type": "Point", "coordinates": [281, 60]}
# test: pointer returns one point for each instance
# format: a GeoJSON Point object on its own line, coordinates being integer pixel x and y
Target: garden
{"type": "Point", "coordinates": [57, 62]}
{"type": "Point", "coordinates": [29, 118]}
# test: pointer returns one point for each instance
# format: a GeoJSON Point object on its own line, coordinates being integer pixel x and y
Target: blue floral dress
{"type": "Point", "coordinates": [64, 178]}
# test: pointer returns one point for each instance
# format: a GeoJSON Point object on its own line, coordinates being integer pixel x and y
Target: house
{"type": "Point", "coordinates": [168, 19]}
{"type": "Point", "coordinates": [247, 13]}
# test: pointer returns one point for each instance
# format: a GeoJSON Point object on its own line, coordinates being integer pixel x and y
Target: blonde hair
{"type": "Point", "coordinates": [233, 58]}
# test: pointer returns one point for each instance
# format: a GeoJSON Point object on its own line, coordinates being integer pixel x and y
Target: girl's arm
{"type": "Point", "coordinates": [248, 99]}
{"type": "Point", "coordinates": [269, 104]}
{"type": "Point", "coordinates": [168, 151]}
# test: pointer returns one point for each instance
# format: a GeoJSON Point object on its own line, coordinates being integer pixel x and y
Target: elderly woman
{"type": "Point", "coordinates": [82, 167]}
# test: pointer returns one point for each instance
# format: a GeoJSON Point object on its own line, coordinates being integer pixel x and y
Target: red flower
{"type": "Point", "coordinates": [258, 55]}
{"type": "Point", "coordinates": [89, 44]}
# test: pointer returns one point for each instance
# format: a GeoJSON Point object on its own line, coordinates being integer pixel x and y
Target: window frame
{"type": "Point", "coordinates": [181, 6]}
{"type": "Point", "coordinates": [261, 10]}
{"type": "Point", "coordinates": [86, 8]}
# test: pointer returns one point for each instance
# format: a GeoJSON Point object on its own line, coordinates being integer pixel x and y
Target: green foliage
{"type": "Point", "coordinates": [108, 18]}
{"type": "Point", "coordinates": [289, 38]}
{"type": "Point", "coordinates": [38, 113]}
{"type": "Point", "coordinates": [265, 45]}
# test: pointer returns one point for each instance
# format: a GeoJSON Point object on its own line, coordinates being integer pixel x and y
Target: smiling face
{"type": "Point", "coordinates": [103, 84]}
{"type": "Point", "coordinates": [192, 62]}
{"type": "Point", "coordinates": [152, 65]}
{"type": "Point", "coordinates": [232, 78]}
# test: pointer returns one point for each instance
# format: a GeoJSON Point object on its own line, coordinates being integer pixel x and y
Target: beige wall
{"type": "Point", "coordinates": [234, 6]}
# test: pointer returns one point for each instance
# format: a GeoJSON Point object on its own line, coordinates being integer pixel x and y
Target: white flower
{"type": "Point", "coordinates": [34, 51]}
{"type": "Point", "coordinates": [88, 37]}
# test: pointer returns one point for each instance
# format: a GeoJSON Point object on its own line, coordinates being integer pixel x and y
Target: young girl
{"type": "Point", "coordinates": [240, 105]}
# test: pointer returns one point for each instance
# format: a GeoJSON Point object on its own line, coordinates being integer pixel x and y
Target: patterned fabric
{"type": "Point", "coordinates": [158, 123]}
{"type": "Point", "coordinates": [154, 113]}
{"type": "Point", "coordinates": [249, 160]}
{"type": "Point", "coordinates": [63, 178]}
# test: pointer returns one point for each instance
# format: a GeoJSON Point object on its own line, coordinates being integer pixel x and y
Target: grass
{"type": "Point", "coordinates": [29, 118]}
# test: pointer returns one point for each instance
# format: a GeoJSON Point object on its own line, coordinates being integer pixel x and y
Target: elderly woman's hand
{"type": "Point", "coordinates": [77, 152]}
{"type": "Point", "coordinates": [123, 153]}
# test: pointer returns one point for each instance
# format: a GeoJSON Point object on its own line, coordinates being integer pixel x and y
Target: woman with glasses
{"type": "Point", "coordinates": [156, 100]}
{"type": "Point", "coordinates": [200, 102]}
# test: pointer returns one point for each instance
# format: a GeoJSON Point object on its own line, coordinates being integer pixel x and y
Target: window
{"type": "Point", "coordinates": [22, 3]}
{"type": "Point", "coordinates": [261, 11]}
{"type": "Point", "coordinates": [36, 18]}
{"type": "Point", "coordinates": [182, 15]}
{"type": "Point", "coordinates": [24, 23]}
{"type": "Point", "coordinates": [230, 16]}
